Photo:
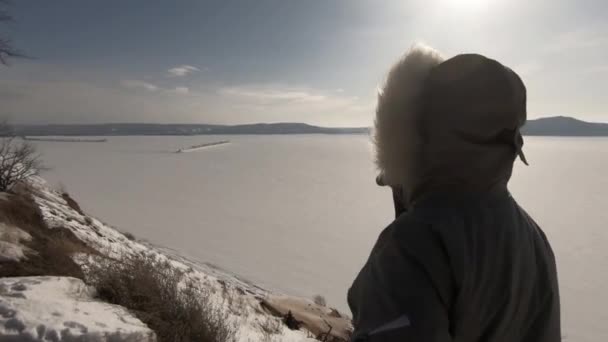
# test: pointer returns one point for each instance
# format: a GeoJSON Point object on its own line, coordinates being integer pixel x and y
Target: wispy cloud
{"type": "Point", "coordinates": [141, 85]}
{"type": "Point", "coordinates": [182, 70]}
{"type": "Point", "coordinates": [180, 90]}
{"type": "Point", "coordinates": [266, 94]}
{"type": "Point", "coordinates": [135, 84]}
{"type": "Point", "coordinates": [97, 96]}
{"type": "Point", "coordinates": [289, 100]}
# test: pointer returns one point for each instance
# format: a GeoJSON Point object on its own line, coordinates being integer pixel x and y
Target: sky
{"type": "Point", "coordinates": [314, 61]}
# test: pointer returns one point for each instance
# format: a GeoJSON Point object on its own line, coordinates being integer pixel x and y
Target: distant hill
{"type": "Point", "coordinates": [564, 126]}
{"type": "Point", "coordinates": [551, 126]}
{"type": "Point", "coordinates": [179, 129]}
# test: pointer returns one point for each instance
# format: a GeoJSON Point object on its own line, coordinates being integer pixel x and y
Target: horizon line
{"type": "Point", "coordinates": [250, 123]}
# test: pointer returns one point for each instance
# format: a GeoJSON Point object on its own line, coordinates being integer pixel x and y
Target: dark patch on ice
{"type": "Point", "coordinates": [14, 324]}
{"type": "Point", "coordinates": [22, 337]}
{"type": "Point", "coordinates": [41, 329]}
{"type": "Point", "coordinates": [86, 313]}
{"type": "Point", "coordinates": [19, 287]}
{"type": "Point", "coordinates": [75, 325]}
{"type": "Point", "coordinates": [99, 324]}
{"type": "Point", "coordinates": [52, 336]}
{"type": "Point", "coordinates": [15, 295]}
{"type": "Point", "coordinates": [57, 314]}
{"type": "Point", "coordinates": [7, 312]}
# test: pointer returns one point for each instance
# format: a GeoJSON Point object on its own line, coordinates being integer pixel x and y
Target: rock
{"type": "Point", "coordinates": [319, 320]}
{"type": "Point", "coordinates": [63, 309]}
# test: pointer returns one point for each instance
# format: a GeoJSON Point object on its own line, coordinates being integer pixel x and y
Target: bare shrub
{"type": "Point", "coordinates": [18, 159]}
{"type": "Point", "coordinates": [72, 203]}
{"type": "Point", "coordinates": [160, 295]}
{"type": "Point", "coordinates": [6, 47]}
{"type": "Point", "coordinates": [61, 188]}
{"type": "Point", "coordinates": [129, 236]}
{"type": "Point", "coordinates": [319, 300]}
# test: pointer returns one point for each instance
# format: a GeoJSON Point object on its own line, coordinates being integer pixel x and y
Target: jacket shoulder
{"type": "Point", "coordinates": [421, 239]}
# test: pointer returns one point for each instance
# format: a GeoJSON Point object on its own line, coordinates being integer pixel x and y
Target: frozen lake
{"type": "Point", "coordinates": [299, 214]}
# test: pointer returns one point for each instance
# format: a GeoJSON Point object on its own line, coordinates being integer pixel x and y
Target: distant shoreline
{"type": "Point", "coordinates": [66, 140]}
{"type": "Point", "coordinates": [551, 126]}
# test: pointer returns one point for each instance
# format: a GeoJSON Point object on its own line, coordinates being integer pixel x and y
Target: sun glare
{"type": "Point", "coordinates": [467, 5]}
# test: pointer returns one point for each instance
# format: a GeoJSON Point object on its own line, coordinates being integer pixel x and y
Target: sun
{"type": "Point", "coordinates": [467, 4]}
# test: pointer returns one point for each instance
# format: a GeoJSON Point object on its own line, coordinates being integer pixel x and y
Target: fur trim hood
{"type": "Point", "coordinates": [399, 102]}
{"type": "Point", "coordinates": [448, 123]}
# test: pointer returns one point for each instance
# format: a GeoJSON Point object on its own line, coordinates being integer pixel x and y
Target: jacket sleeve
{"type": "Point", "coordinates": [395, 297]}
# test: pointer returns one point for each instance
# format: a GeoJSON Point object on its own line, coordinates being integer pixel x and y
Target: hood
{"type": "Point", "coordinates": [448, 124]}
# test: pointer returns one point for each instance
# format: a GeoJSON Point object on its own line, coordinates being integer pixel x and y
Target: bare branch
{"type": "Point", "coordinates": [4, 15]}
{"type": "Point", "coordinates": [18, 159]}
{"type": "Point", "coordinates": [6, 47]}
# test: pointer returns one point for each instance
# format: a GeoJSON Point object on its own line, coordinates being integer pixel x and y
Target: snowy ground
{"type": "Point", "coordinates": [241, 298]}
{"type": "Point", "coordinates": [63, 309]}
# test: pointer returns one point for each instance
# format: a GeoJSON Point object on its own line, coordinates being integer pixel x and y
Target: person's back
{"type": "Point", "coordinates": [464, 262]}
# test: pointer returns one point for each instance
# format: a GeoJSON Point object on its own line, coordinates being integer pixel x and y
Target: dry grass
{"type": "Point", "coordinates": [72, 203]}
{"type": "Point", "coordinates": [54, 247]}
{"type": "Point", "coordinates": [270, 327]}
{"type": "Point", "coordinates": [160, 296]}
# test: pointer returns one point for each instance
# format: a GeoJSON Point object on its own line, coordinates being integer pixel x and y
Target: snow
{"type": "Point", "coordinates": [240, 298]}
{"type": "Point", "coordinates": [62, 309]}
{"type": "Point", "coordinates": [11, 247]}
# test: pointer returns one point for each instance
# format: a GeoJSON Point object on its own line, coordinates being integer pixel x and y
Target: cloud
{"type": "Point", "coordinates": [180, 90]}
{"type": "Point", "coordinates": [182, 70]}
{"type": "Point", "coordinates": [265, 94]}
{"type": "Point", "coordinates": [134, 84]}
{"type": "Point", "coordinates": [141, 85]}
{"type": "Point", "coordinates": [94, 96]}
{"type": "Point", "coordinates": [303, 103]}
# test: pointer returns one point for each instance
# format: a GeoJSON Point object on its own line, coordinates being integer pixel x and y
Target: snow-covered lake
{"type": "Point", "coordinates": [299, 214]}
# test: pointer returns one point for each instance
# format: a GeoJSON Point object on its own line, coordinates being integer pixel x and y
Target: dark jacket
{"type": "Point", "coordinates": [459, 267]}
{"type": "Point", "coordinates": [463, 262]}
